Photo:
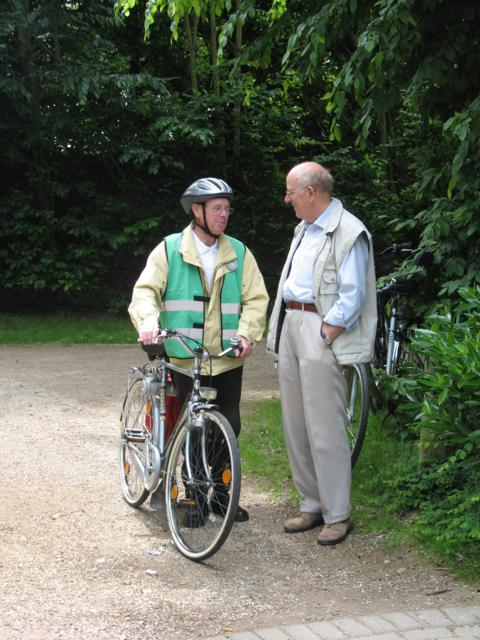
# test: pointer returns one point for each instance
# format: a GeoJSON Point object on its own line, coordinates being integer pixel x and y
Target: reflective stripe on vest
{"type": "Point", "coordinates": [185, 301]}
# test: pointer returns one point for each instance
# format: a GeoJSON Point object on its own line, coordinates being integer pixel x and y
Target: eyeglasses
{"type": "Point", "coordinates": [217, 209]}
{"type": "Point", "coordinates": [292, 191]}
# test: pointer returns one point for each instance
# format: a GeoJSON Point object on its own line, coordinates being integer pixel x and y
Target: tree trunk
{"type": "Point", "coordinates": [216, 83]}
{"type": "Point", "coordinates": [191, 30]}
{"type": "Point", "coordinates": [38, 169]}
{"type": "Point", "coordinates": [237, 108]}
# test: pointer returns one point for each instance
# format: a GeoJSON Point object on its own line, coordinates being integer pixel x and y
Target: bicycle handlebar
{"type": "Point", "coordinates": [157, 348]}
{"type": "Point", "coordinates": [403, 247]}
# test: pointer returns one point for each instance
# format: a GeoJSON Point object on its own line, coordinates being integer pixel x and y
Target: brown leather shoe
{"type": "Point", "coordinates": [335, 532]}
{"type": "Point", "coordinates": [303, 522]}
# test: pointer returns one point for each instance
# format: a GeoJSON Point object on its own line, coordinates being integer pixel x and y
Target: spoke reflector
{"type": "Point", "coordinates": [148, 417]}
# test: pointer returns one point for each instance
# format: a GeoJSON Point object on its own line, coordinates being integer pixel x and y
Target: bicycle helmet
{"type": "Point", "coordinates": [202, 190]}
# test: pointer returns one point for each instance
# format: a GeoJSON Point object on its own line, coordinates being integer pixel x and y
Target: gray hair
{"type": "Point", "coordinates": [315, 175]}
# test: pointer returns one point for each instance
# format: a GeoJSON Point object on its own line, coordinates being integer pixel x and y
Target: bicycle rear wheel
{"type": "Point", "coordinates": [357, 409]}
{"type": "Point", "coordinates": [134, 438]}
{"type": "Point", "coordinates": [202, 492]}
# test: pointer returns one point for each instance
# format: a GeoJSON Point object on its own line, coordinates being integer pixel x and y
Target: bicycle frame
{"type": "Point", "coordinates": [392, 346]}
{"type": "Point", "coordinates": [154, 376]}
{"type": "Point", "coordinates": [393, 328]}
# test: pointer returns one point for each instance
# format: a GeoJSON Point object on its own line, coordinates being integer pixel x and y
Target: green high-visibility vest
{"type": "Point", "coordinates": [185, 301]}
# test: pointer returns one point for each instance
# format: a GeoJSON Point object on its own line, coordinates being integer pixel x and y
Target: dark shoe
{"type": "Point", "coordinates": [304, 522]}
{"type": "Point", "coordinates": [335, 532]}
{"type": "Point", "coordinates": [219, 506]}
{"type": "Point", "coordinates": [241, 515]}
{"type": "Point", "coordinates": [157, 499]}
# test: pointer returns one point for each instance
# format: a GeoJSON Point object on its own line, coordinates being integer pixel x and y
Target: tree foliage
{"type": "Point", "coordinates": [404, 58]}
{"type": "Point", "coordinates": [103, 130]}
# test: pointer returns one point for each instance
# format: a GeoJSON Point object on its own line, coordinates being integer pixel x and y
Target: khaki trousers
{"type": "Point", "coordinates": [313, 399]}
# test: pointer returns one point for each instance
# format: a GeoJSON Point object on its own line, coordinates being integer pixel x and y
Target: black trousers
{"type": "Point", "coordinates": [229, 391]}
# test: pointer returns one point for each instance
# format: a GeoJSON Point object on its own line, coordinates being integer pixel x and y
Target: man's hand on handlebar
{"type": "Point", "coordinates": [245, 350]}
{"type": "Point", "coordinates": [148, 333]}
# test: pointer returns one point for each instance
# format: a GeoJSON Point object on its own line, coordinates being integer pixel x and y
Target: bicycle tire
{"type": "Point", "coordinates": [134, 439]}
{"type": "Point", "coordinates": [200, 515]}
{"type": "Point", "coordinates": [357, 378]}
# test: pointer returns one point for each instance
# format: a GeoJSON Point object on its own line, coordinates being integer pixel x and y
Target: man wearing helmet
{"type": "Point", "coordinates": [207, 285]}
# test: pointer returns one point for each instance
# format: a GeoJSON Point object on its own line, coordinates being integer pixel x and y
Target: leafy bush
{"type": "Point", "coordinates": [444, 491]}
{"type": "Point", "coordinates": [451, 384]}
{"type": "Point", "coordinates": [444, 501]}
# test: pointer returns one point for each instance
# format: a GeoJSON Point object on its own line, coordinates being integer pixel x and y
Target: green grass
{"type": "Point", "coordinates": [264, 457]}
{"type": "Point", "coordinates": [66, 329]}
{"type": "Point", "coordinates": [262, 447]}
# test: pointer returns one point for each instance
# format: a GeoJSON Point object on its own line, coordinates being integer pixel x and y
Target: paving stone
{"type": "Point", "coordinates": [434, 617]}
{"type": "Point", "coordinates": [454, 623]}
{"type": "Point", "coordinates": [300, 632]}
{"type": "Point", "coordinates": [463, 615]}
{"type": "Point", "coordinates": [352, 627]}
{"type": "Point", "coordinates": [377, 623]}
{"type": "Point", "coordinates": [434, 633]}
{"type": "Point", "coordinates": [401, 620]}
{"type": "Point", "coordinates": [327, 631]}
{"type": "Point", "coordinates": [271, 633]}
{"type": "Point", "coordinates": [469, 631]}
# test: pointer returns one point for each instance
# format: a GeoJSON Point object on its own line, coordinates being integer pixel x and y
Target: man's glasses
{"type": "Point", "coordinates": [217, 209]}
{"type": "Point", "coordinates": [292, 191]}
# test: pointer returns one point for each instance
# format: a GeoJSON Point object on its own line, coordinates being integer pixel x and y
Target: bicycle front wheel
{"type": "Point", "coordinates": [357, 408]}
{"type": "Point", "coordinates": [134, 439]}
{"type": "Point", "coordinates": [202, 486]}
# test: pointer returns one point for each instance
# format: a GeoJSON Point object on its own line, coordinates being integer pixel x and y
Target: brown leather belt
{"type": "Point", "coordinates": [302, 306]}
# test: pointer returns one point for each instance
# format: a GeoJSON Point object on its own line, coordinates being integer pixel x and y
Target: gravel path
{"type": "Point", "coordinates": [76, 562]}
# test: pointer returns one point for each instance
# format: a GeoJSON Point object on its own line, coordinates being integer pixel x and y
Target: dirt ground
{"type": "Point", "coordinates": [77, 562]}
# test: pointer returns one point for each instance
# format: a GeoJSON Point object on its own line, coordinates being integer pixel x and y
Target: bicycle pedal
{"type": "Point", "coordinates": [188, 503]}
{"type": "Point", "coordinates": [134, 435]}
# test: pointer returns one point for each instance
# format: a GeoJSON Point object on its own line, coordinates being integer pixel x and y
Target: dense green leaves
{"type": "Point", "coordinates": [451, 384]}
{"type": "Point", "coordinates": [103, 131]}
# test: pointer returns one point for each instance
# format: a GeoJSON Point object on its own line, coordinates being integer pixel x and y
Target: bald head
{"type": "Point", "coordinates": [315, 175]}
{"type": "Point", "coordinates": [308, 190]}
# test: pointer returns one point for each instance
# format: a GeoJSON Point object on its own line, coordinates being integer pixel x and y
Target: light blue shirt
{"type": "Point", "coordinates": [351, 275]}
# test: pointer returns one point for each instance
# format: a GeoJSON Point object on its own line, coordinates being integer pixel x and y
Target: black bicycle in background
{"type": "Point", "coordinates": [395, 317]}
{"type": "Point", "coordinates": [392, 343]}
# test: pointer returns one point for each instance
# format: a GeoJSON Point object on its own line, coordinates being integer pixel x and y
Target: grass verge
{"type": "Point", "coordinates": [66, 329]}
{"type": "Point", "coordinates": [264, 457]}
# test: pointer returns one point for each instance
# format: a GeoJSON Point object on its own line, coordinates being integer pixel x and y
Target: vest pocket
{"type": "Point", "coordinates": [329, 284]}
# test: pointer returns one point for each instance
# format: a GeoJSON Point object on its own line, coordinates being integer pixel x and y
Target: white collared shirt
{"type": "Point", "coordinates": [208, 257]}
{"type": "Point", "coordinates": [351, 275]}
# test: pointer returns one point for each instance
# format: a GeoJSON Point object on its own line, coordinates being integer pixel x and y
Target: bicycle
{"type": "Point", "coordinates": [196, 459]}
{"type": "Point", "coordinates": [394, 323]}
{"type": "Point", "coordinates": [390, 350]}
{"type": "Point", "coordinates": [357, 377]}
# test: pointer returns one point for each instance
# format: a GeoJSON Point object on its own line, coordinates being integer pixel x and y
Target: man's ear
{"type": "Point", "coordinates": [197, 211]}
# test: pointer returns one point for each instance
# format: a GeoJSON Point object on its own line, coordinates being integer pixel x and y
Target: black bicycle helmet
{"type": "Point", "coordinates": [202, 190]}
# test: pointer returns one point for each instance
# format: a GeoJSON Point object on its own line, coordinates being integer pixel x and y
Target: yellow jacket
{"type": "Point", "coordinates": [148, 290]}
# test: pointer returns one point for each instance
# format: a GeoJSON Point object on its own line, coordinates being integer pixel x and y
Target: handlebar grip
{"type": "Point", "coordinates": [403, 246]}
{"type": "Point", "coordinates": [236, 343]}
{"type": "Point", "coordinates": [154, 350]}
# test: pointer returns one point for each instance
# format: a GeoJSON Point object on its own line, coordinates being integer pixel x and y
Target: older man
{"type": "Point", "coordinates": [324, 317]}
{"type": "Point", "coordinates": [208, 285]}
